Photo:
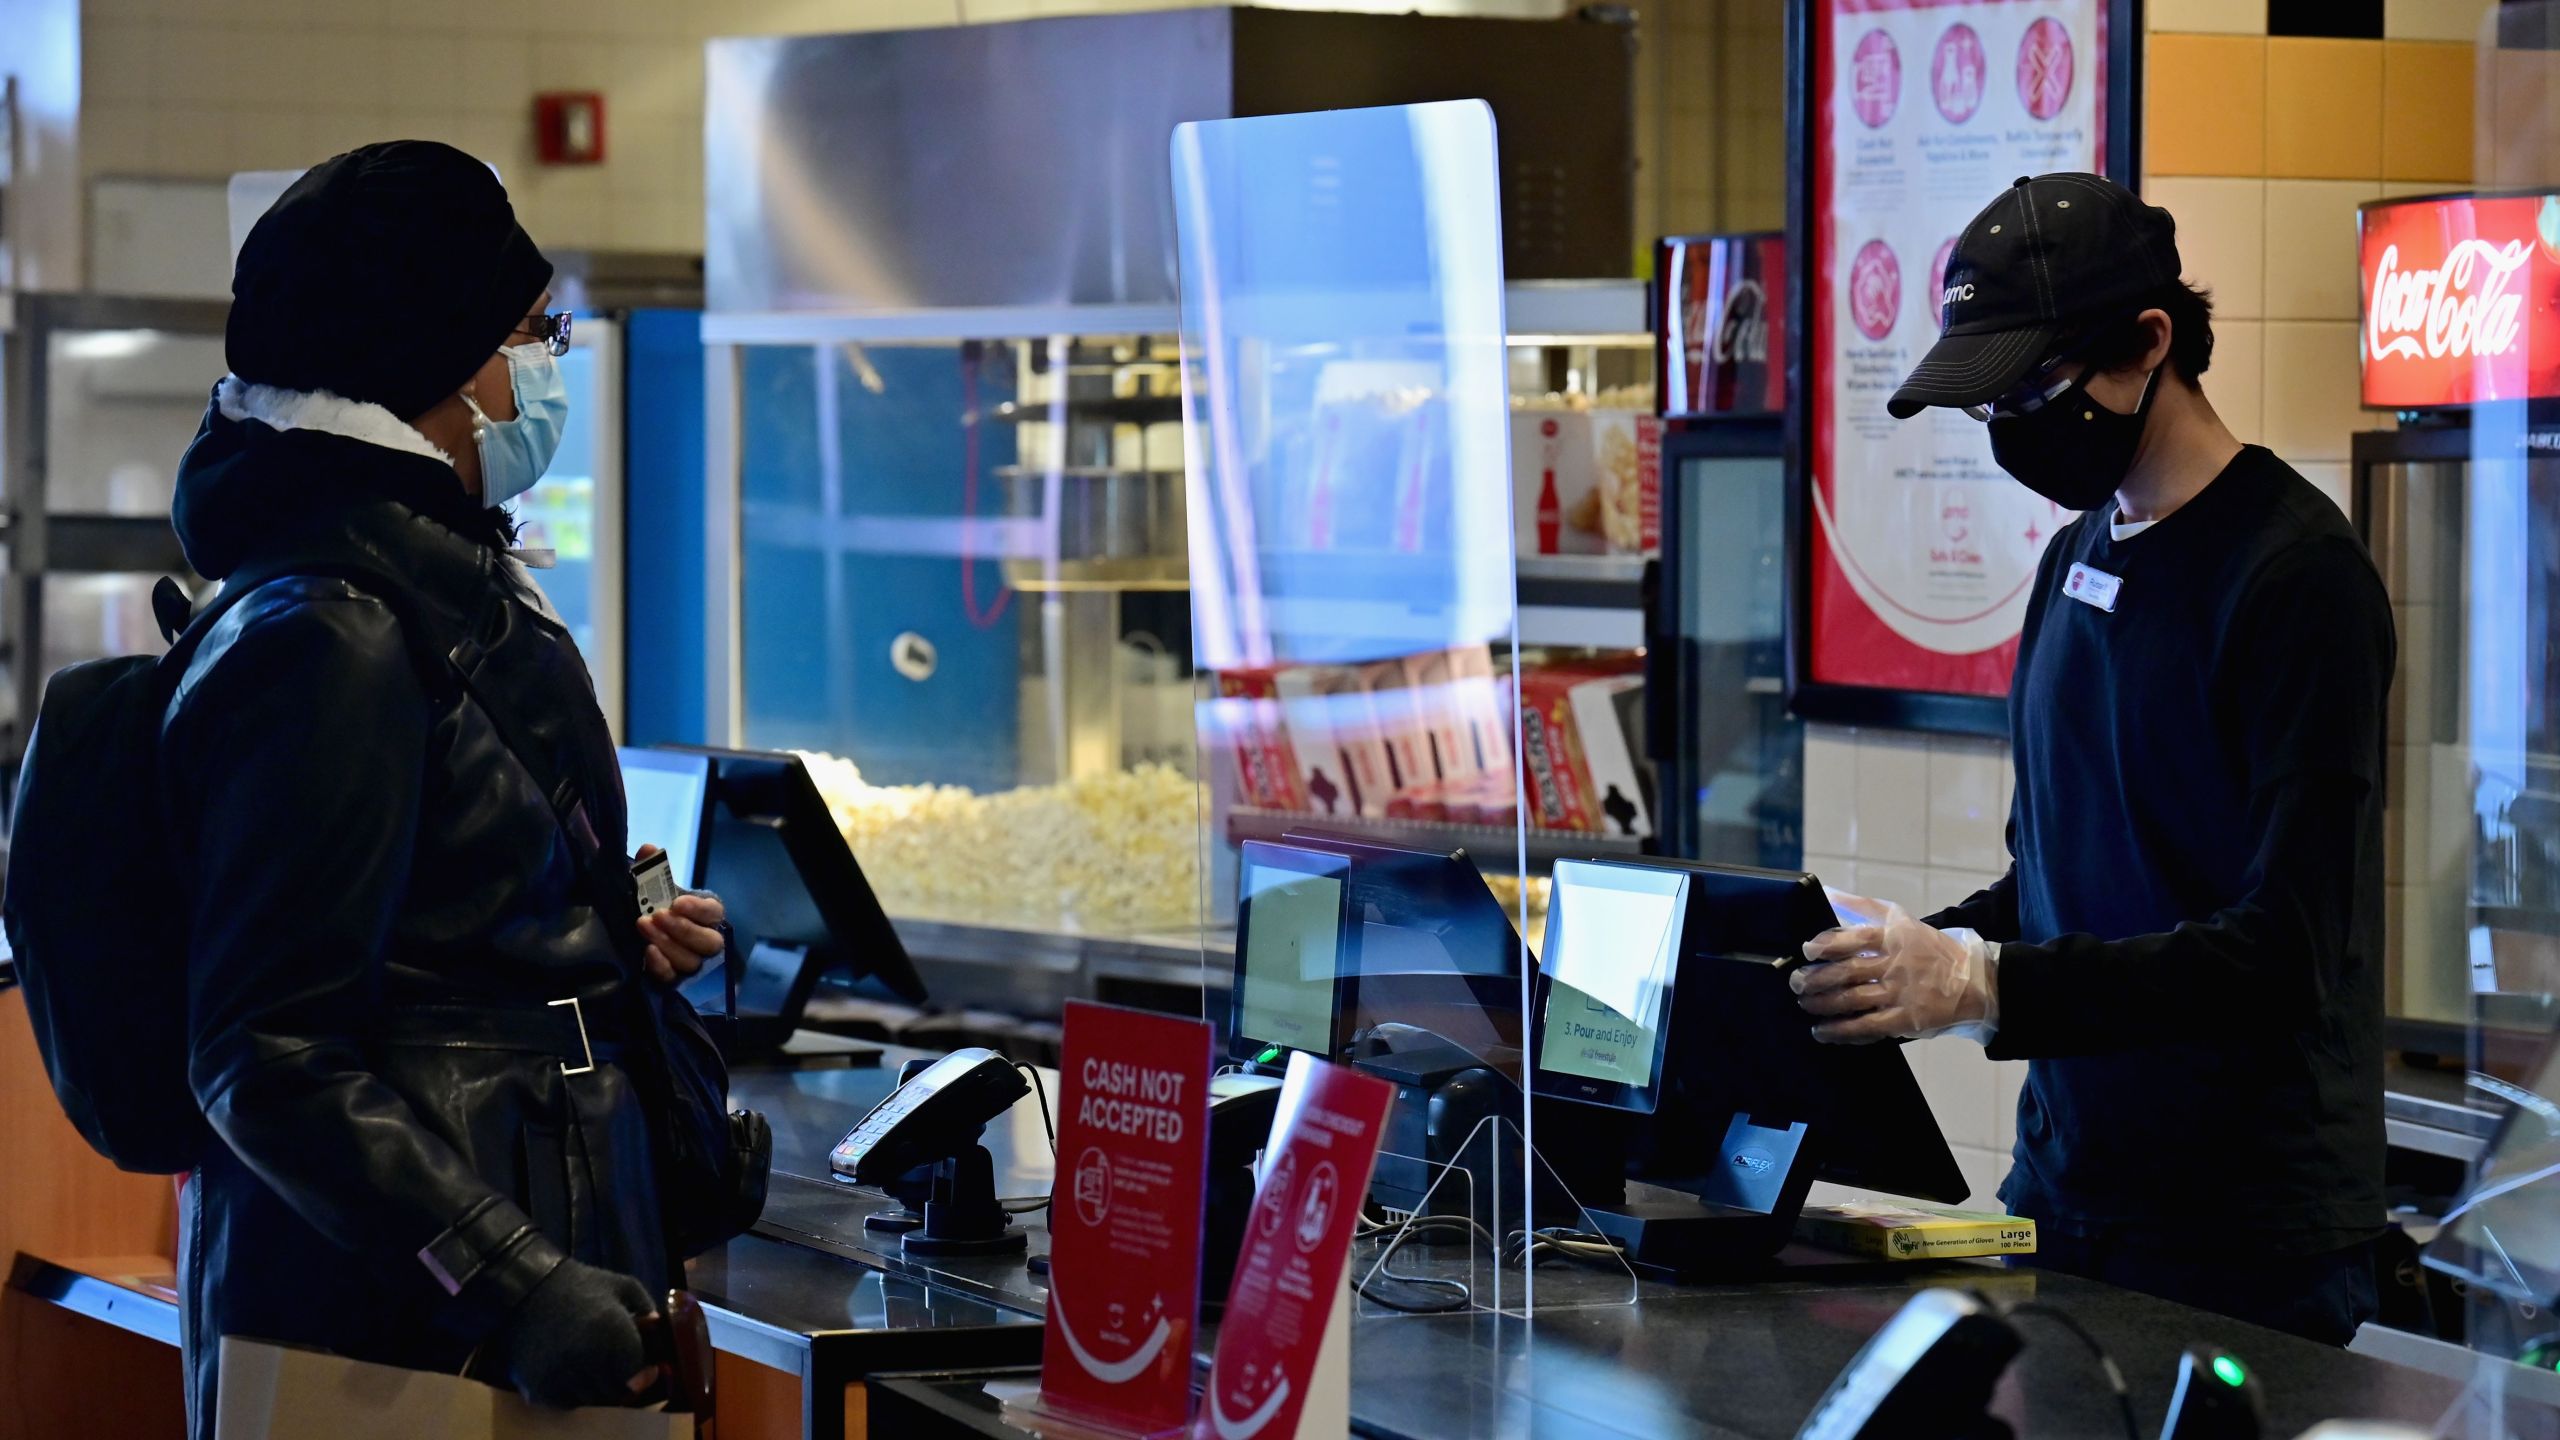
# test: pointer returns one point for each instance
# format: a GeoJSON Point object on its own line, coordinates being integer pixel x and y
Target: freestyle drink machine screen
{"type": "Point", "coordinates": [1613, 936]}
{"type": "Point", "coordinates": [1292, 938]}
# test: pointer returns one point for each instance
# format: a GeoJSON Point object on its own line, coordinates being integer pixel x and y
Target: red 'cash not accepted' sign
{"type": "Point", "coordinates": [1125, 1218]}
{"type": "Point", "coordinates": [1288, 1288]}
{"type": "Point", "coordinates": [2459, 300]}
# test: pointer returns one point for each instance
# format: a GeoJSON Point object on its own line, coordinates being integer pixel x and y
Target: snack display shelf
{"type": "Point", "coordinates": [1490, 844]}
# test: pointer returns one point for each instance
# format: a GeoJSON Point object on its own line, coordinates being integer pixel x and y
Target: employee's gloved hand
{"type": "Point", "coordinates": [1882, 975]}
{"type": "Point", "coordinates": [575, 1340]}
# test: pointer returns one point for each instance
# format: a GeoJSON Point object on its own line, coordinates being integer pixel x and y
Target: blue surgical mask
{"type": "Point", "coordinates": [514, 453]}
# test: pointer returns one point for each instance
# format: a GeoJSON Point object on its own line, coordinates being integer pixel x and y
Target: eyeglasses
{"type": "Point", "coordinates": [2042, 387]}
{"type": "Point", "coordinates": [2039, 391]}
{"type": "Point", "coordinates": [551, 330]}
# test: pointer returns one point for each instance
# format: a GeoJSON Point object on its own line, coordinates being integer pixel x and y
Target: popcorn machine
{"type": "Point", "coordinates": [945, 513]}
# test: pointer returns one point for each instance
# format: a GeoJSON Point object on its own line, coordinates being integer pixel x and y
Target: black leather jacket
{"type": "Point", "coordinates": [382, 912]}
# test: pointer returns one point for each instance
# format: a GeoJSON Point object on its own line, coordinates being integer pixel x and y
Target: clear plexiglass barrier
{"type": "Point", "coordinates": [2466, 520]}
{"type": "Point", "coordinates": [1354, 622]}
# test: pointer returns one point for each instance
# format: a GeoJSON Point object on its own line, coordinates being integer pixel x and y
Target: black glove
{"type": "Point", "coordinates": [575, 1340]}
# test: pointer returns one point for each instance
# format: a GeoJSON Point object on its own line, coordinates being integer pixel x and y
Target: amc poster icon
{"type": "Point", "coordinates": [1920, 551]}
{"type": "Point", "coordinates": [1125, 1219]}
{"type": "Point", "coordinates": [2461, 300]}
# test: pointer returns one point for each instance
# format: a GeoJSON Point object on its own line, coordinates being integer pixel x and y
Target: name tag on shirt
{"type": "Point", "coordinates": [2092, 587]}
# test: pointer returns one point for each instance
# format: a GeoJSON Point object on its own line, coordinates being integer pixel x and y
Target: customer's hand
{"type": "Point", "coordinates": [685, 936]}
{"type": "Point", "coordinates": [1893, 978]}
{"type": "Point", "coordinates": [575, 1340]}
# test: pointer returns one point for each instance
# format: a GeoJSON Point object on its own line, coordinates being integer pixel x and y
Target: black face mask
{"type": "Point", "coordinates": [2072, 450]}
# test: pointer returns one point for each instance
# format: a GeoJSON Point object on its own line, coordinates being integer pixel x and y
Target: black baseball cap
{"type": "Point", "coordinates": [2052, 256]}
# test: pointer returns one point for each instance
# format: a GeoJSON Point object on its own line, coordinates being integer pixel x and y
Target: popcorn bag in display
{"type": "Point", "coordinates": [1559, 787]}
{"type": "Point", "coordinates": [1401, 727]}
{"type": "Point", "coordinates": [1334, 732]}
{"type": "Point", "coordinates": [1267, 773]}
{"type": "Point", "coordinates": [1453, 751]}
{"type": "Point", "coordinates": [1627, 479]}
{"type": "Point", "coordinates": [1586, 481]}
{"type": "Point", "coordinates": [1608, 718]}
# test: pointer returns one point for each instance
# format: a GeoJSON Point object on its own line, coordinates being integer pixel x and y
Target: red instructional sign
{"type": "Point", "coordinates": [1918, 550]}
{"type": "Point", "coordinates": [1289, 1276]}
{"type": "Point", "coordinates": [2459, 300]}
{"type": "Point", "coordinates": [1723, 303]}
{"type": "Point", "coordinates": [1126, 1218]}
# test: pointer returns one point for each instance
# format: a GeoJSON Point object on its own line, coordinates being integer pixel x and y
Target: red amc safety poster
{"type": "Point", "coordinates": [1921, 551]}
{"type": "Point", "coordinates": [1126, 1219]}
{"type": "Point", "coordinates": [1289, 1276]}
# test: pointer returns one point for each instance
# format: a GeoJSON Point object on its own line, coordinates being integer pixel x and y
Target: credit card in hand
{"type": "Point", "coordinates": [657, 881]}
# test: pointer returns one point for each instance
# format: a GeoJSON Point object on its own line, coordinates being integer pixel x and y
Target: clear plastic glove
{"type": "Point", "coordinates": [1881, 975]}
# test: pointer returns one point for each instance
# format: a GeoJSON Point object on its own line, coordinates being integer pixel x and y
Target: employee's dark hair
{"type": "Point", "coordinates": [2190, 312]}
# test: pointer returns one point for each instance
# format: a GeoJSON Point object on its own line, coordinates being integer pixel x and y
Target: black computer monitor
{"type": "Point", "coordinates": [1699, 1027]}
{"type": "Point", "coordinates": [1605, 976]}
{"type": "Point", "coordinates": [795, 895]}
{"type": "Point", "coordinates": [1433, 948]}
{"type": "Point", "coordinates": [666, 793]}
{"type": "Point", "coordinates": [1296, 951]}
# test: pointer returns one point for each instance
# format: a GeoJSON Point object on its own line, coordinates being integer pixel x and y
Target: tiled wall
{"type": "Point", "coordinates": [175, 88]}
{"type": "Point", "coordinates": [1919, 820]}
{"type": "Point", "coordinates": [2261, 144]}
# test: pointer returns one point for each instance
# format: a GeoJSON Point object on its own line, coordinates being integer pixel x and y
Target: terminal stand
{"type": "Point", "coordinates": [950, 1208]}
{"type": "Point", "coordinates": [1743, 1211]}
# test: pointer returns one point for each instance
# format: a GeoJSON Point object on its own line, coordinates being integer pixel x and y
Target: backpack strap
{"type": "Point", "coordinates": [168, 600]}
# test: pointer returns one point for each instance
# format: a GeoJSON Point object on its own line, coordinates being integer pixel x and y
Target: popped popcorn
{"type": "Point", "coordinates": [1112, 853]}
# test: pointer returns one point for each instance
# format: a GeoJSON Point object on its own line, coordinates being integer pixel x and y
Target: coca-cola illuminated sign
{"type": "Point", "coordinates": [2460, 300]}
{"type": "Point", "coordinates": [1723, 303]}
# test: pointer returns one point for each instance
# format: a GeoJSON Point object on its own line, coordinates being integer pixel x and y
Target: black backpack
{"type": "Point", "coordinates": [101, 943]}
{"type": "Point", "coordinates": [92, 908]}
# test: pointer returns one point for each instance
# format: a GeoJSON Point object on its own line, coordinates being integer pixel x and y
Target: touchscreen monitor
{"type": "Point", "coordinates": [1612, 949]}
{"type": "Point", "coordinates": [1291, 935]}
{"type": "Point", "coordinates": [663, 792]}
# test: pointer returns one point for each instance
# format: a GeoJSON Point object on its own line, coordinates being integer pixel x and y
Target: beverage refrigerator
{"type": "Point", "coordinates": [1729, 758]}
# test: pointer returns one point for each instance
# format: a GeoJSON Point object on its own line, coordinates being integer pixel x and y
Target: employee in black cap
{"type": "Point", "coordinates": [2188, 944]}
{"type": "Point", "coordinates": [406, 972]}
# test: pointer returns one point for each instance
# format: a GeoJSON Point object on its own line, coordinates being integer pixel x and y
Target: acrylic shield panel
{"type": "Point", "coordinates": [1354, 619]}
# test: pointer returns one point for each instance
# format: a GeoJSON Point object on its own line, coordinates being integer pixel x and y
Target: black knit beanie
{"type": "Point", "coordinates": [390, 273]}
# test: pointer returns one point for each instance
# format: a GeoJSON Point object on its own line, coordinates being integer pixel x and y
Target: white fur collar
{"type": "Point", "coordinates": [321, 411]}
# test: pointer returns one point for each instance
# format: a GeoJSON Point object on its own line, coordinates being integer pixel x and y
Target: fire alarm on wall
{"type": "Point", "coordinates": [568, 127]}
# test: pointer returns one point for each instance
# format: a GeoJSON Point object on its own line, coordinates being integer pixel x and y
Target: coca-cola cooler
{"type": "Point", "coordinates": [1730, 759]}
{"type": "Point", "coordinates": [2459, 499]}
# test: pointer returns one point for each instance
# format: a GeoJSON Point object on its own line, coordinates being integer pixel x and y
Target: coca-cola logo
{"type": "Point", "coordinates": [1743, 338]}
{"type": "Point", "coordinates": [1693, 326]}
{"type": "Point", "coordinates": [2466, 307]}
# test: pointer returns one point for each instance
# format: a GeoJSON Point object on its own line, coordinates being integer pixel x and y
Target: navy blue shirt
{"type": "Point", "coordinates": [2193, 914]}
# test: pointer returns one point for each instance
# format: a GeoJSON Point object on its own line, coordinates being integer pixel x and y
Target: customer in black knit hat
{"type": "Point", "coordinates": [412, 982]}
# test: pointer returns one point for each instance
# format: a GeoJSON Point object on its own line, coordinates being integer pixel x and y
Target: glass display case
{"type": "Point", "coordinates": [961, 583]}
{"type": "Point", "coordinates": [573, 518]}
{"type": "Point", "coordinates": [103, 394]}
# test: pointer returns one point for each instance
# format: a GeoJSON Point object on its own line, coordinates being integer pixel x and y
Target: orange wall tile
{"type": "Point", "coordinates": [2426, 110]}
{"type": "Point", "coordinates": [2206, 107]}
{"type": "Point", "coordinates": [2322, 119]}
